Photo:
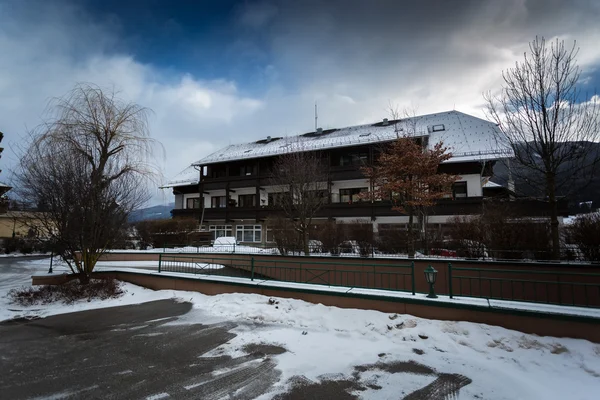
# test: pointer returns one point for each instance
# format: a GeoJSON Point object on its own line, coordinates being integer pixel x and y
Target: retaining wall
{"type": "Point", "coordinates": [540, 323]}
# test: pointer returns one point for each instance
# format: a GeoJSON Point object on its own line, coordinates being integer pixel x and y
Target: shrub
{"type": "Point", "coordinates": [286, 238]}
{"type": "Point", "coordinates": [20, 245]}
{"type": "Point", "coordinates": [392, 241]}
{"type": "Point", "coordinates": [332, 235]}
{"type": "Point", "coordinates": [585, 233]}
{"type": "Point", "coordinates": [166, 232]}
{"type": "Point", "coordinates": [501, 234]}
{"type": "Point", "coordinates": [361, 232]}
{"type": "Point", "coordinates": [68, 293]}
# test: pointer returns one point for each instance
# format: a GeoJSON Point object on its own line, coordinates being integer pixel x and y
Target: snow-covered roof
{"type": "Point", "coordinates": [189, 176]}
{"type": "Point", "coordinates": [490, 184]}
{"type": "Point", "coordinates": [469, 138]}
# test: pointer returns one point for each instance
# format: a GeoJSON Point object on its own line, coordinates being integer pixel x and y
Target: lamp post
{"type": "Point", "coordinates": [430, 277]}
{"type": "Point", "coordinates": [51, 258]}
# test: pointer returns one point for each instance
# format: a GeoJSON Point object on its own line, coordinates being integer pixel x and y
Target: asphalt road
{"type": "Point", "coordinates": [129, 352]}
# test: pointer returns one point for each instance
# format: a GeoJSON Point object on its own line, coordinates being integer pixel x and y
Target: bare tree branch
{"type": "Point", "coordinates": [87, 168]}
{"type": "Point", "coordinates": [301, 181]}
{"type": "Point", "coordinates": [549, 123]}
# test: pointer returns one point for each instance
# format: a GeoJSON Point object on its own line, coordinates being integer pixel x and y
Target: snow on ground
{"type": "Point", "coordinates": [502, 364]}
{"type": "Point", "coordinates": [219, 249]}
{"type": "Point", "coordinates": [328, 342]}
{"type": "Point", "coordinates": [19, 275]}
{"type": "Point", "coordinates": [3, 255]}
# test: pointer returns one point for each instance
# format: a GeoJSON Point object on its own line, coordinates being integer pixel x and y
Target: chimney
{"type": "Point", "coordinates": [385, 122]}
{"type": "Point", "coordinates": [319, 131]}
{"type": "Point", "coordinates": [268, 139]}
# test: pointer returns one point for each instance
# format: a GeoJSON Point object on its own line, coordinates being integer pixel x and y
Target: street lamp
{"type": "Point", "coordinates": [51, 258]}
{"type": "Point", "coordinates": [430, 277]}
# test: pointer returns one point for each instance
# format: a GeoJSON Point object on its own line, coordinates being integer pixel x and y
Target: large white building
{"type": "Point", "coordinates": [229, 190]}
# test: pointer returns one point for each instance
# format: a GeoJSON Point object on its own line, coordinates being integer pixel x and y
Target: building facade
{"type": "Point", "coordinates": [230, 191]}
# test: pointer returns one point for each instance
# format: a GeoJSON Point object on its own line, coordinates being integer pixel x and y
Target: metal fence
{"type": "Point", "coordinates": [531, 285]}
{"type": "Point", "coordinates": [351, 249]}
{"type": "Point", "coordinates": [525, 285]}
{"type": "Point", "coordinates": [393, 276]}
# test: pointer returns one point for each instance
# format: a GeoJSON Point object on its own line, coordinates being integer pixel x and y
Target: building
{"type": "Point", "coordinates": [229, 191]}
{"type": "Point", "coordinates": [18, 224]}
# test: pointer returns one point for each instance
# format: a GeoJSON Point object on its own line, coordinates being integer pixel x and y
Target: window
{"type": "Point", "coordinates": [220, 230]}
{"type": "Point", "coordinates": [218, 172]}
{"type": "Point", "coordinates": [438, 128]}
{"type": "Point", "coordinates": [193, 203]}
{"type": "Point", "coordinates": [349, 159]}
{"type": "Point", "coordinates": [321, 194]}
{"type": "Point", "coordinates": [459, 189]}
{"type": "Point", "coordinates": [270, 235]}
{"type": "Point", "coordinates": [247, 200]}
{"type": "Point", "coordinates": [218, 202]}
{"type": "Point", "coordinates": [248, 233]}
{"type": "Point", "coordinates": [351, 195]}
{"type": "Point", "coordinates": [277, 198]}
{"type": "Point", "coordinates": [247, 170]}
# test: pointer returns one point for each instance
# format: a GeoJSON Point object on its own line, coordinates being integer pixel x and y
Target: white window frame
{"type": "Point", "coordinates": [221, 231]}
{"type": "Point", "coordinates": [242, 230]}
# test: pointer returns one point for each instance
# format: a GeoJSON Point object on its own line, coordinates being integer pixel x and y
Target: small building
{"type": "Point", "coordinates": [18, 224]}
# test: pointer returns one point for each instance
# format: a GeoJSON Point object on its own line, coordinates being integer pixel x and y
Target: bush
{"type": "Point", "coordinates": [501, 234]}
{"type": "Point", "coordinates": [361, 232]}
{"type": "Point", "coordinates": [286, 238]}
{"type": "Point", "coordinates": [332, 235]}
{"type": "Point", "coordinates": [24, 245]}
{"type": "Point", "coordinates": [585, 233]}
{"type": "Point", "coordinates": [68, 293]}
{"type": "Point", "coordinates": [166, 232]}
{"type": "Point", "coordinates": [392, 241]}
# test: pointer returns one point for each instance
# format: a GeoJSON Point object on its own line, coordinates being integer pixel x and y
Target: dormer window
{"type": "Point", "coordinates": [459, 190]}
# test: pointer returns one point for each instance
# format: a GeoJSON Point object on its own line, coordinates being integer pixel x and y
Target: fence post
{"type": "Point", "coordinates": [252, 268]}
{"type": "Point", "coordinates": [412, 273]}
{"type": "Point", "coordinates": [159, 261]}
{"type": "Point", "coordinates": [450, 279]}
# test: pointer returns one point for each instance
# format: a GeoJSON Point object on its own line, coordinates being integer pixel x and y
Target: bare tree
{"type": "Point", "coordinates": [543, 117]}
{"type": "Point", "coordinates": [300, 178]}
{"type": "Point", "coordinates": [87, 168]}
{"type": "Point", "coordinates": [408, 175]}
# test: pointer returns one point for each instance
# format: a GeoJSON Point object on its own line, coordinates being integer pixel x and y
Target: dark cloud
{"type": "Point", "coordinates": [276, 59]}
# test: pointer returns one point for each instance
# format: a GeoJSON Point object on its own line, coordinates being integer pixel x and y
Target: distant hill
{"type": "Point", "coordinates": [584, 191]}
{"type": "Point", "coordinates": [154, 212]}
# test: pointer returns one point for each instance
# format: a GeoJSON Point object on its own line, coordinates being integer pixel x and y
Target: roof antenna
{"type": "Point", "coordinates": [316, 116]}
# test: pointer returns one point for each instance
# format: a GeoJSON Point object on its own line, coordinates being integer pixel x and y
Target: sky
{"type": "Point", "coordinates": [221, 72]}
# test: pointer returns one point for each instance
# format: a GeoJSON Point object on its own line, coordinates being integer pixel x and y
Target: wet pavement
{"type": "Point", "coordinates": [128, 352]}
